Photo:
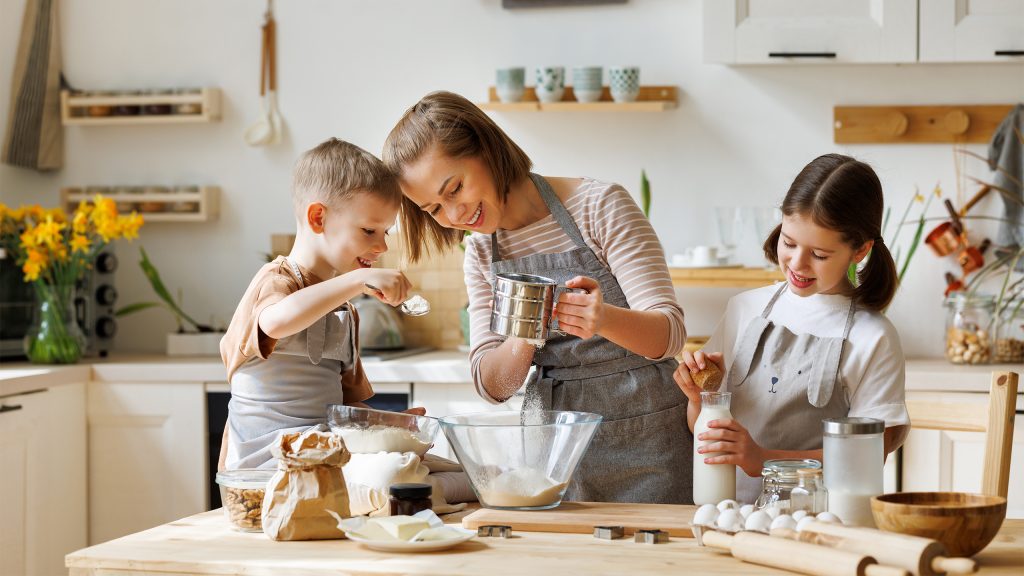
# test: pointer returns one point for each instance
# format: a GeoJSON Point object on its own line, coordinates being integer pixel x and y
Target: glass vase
{"type": "Point", "coordinates": [55, 337]}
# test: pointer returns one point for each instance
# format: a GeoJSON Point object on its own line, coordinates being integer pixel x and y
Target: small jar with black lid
{"type": "Point", "coordinates": [408, 499]}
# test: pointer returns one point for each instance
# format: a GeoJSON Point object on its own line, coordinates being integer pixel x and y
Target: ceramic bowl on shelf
{"type": "Point", "coordinates": [550, 83]}
{"type": "Point", "coordinates": [964, 523]}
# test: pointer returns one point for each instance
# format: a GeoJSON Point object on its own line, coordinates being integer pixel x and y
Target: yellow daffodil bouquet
{"type": "Point", "coordinates": [53, 253]}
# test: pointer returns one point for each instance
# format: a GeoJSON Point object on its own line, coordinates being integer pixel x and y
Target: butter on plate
{"type": "Point", "coordinates": [400, 527]}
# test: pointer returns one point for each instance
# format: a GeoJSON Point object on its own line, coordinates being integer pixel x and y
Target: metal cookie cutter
{"type": "Point", "coordinates": [495, 530]}
{"type": "Point", "coordinates": [609, 532]}
{"type": "Point", "coordinates": [650, 536]}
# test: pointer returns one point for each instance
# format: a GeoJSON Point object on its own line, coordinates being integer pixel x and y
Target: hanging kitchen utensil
{"type": "Point", "coordinates": [947, 237]}
{"type": "Point", "coordinates": [275, 115]}
{"type": "Point", "coordinates": [971, 258]}
{"type": "Point", "coordinates": [261, 132]}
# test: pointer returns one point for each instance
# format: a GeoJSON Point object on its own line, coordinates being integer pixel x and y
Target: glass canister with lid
{"type": "Point", "coordinates": [778, 479]}
{"type": "Point", "coordinates": [969, 321]}
{"type": "Point", "coordinates": [854, 451]}
{"type": "Point", "coordinates": [1009, 345]}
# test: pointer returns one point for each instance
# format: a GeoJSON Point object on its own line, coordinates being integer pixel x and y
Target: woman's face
{"type": "Point", "coordinates": [457, 192]}
{"type": "Point", "coordinates": [815, 259]}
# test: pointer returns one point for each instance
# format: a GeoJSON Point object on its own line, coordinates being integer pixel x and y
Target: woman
{"type": "Point", "coordinates": [460, 172]}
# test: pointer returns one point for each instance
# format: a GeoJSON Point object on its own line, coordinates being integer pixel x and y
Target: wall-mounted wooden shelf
{"type": "Point", "coordinates": [724, 277]}
{"type": "Point", "coordinates": [75, 108]}
{"type": "Point", "coordinates": [201, 206]}
{"type": "Point", "coordinates": [917, 124]}
{"type": "Point", "coordinates": [650, 99]}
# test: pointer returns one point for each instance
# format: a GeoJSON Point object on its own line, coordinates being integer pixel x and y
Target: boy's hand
{"type": "Point", "coordinates": [581, 314]}
{"type": "Point", "coordinates": [735, 444]}
{"type": "Point", "coordinates": [694, 362]}
{"type": "Point", "coordinates": [389, 286]}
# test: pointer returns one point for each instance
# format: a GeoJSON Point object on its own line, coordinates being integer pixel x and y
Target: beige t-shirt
{"type": "Point", "coordinates": [244, 339]}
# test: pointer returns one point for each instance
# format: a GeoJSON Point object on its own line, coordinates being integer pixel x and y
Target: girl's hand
{"type": "Point", "coordinates": [581, 314]}
{"type": "Point", "coordinates": [693, 362]}
{"type": "Point", "coordinates": [734, 442]}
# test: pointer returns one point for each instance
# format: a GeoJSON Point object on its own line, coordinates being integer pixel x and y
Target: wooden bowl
{"type": "Point", "coordinates": [964, 523]}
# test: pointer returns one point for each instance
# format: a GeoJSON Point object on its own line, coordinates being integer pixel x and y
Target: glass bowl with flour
{"type": "Point", "coordinates": [368, 431]}
{"type": "Point", "coordinates": [520, 461]}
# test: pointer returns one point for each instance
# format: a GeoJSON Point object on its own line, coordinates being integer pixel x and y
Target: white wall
{"type": "Point", "coordinates": [349, 68]}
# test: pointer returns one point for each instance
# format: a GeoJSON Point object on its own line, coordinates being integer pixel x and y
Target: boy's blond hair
{"type": "Point", "coordinates": [336, 170]}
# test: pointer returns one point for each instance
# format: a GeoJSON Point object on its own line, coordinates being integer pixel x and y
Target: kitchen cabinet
{"type": "Point", "coordinates": [975, 31]}
{"type": "Point", "coordinates": [810, 31]}
{"type": "Point", "coordinates": [455, 398]}
{"type": "Point", "coordinates": [42, 486]}
{"type": "Point", "coordinates": [940, 460]}
{"type": "Point", "coordinates": [147, 455]}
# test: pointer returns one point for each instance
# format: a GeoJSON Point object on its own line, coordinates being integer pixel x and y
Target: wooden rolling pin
{"type": "Point", "coordinates": [797, 556]}
{"type": "Point", "coordinates": [921, 556]}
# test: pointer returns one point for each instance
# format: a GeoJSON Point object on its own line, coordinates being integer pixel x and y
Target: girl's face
{"type": "Point", "coordinates": [354, 234]}
{"type": "Point", "coordinates": [815, 259]}
{"type": "Point", "coordinates": [457, 192]}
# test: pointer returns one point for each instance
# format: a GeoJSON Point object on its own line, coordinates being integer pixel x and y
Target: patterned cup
{"type": "Point", "coordinates": [624, 83]}
{"type": "Point", "coordinates": [586, 83]}
{"type": "Point", "coordinates": [550, 83]}
{"type": "Point", "coordinates": [510, 83]}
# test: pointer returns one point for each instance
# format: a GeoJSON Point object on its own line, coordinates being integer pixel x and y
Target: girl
{"type": "Point", "coordinates": [815, 346]}
{"type": "Point", "coordinates": [459, 172]}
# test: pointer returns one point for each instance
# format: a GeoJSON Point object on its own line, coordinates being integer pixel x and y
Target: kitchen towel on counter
{"type": "Point", "coordinates": [1006, 159]}
{"type": "Point", "coordinates": [368, 477]}
{"type": "Point", "coordinates": [35, 137]}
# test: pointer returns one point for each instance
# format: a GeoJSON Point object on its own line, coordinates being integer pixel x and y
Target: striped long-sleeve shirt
{"type": "Point", "coordinates": [613, 227]}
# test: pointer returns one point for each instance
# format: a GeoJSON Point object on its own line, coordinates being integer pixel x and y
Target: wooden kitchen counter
{"type": "Point", "coordinates": [206, 544]}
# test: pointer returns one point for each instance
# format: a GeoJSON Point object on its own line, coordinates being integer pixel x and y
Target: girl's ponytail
{"type": "Point", "coordinates": [878, 280]}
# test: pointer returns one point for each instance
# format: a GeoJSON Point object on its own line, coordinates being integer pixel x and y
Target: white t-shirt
{"type": "Point", "coordinates": [872, 369]}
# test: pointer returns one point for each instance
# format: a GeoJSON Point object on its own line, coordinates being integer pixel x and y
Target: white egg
{"type": "Point", "coordinates": [773, 512]}
{"type": "Point", "coordinates": [783, 521]}
{"type": "Point", "coordinates": [799, 515]}
{"type": "Point", "coordinates": [727, 505]}
{"type": "Point", "coordinates": [803, 522]}
{"type": "Point", "coordinates": [706, 515]}
{"type": "Point", "coordinates": [758, 520]}
{"type": "Point", "coordinates": [829, 517]}
{"type": "Point", "coordinates": [746, 510]}
{"type": "Point", "coordinates": [729, 519]}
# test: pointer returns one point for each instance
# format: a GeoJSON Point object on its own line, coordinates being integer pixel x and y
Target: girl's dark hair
{"type": "Point", "coordinates": [843, 194]}
{"type": "Point", "coordinates": [461, 130]}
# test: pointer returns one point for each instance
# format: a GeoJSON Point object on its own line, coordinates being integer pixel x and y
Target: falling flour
{"type": "Point", "coordinates": [523, 487]}
{"type": "Point", "coordinates": [380, 438]}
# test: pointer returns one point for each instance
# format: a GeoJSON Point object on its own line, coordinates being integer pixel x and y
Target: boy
{"type": "Point", "coordinates": [291, 347]}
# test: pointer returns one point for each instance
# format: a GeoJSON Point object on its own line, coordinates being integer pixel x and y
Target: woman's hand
{"type": "Point", "coordinates": [581, 314]}
{"type": "Point", "coordinates": [732, 440]}
{"type": "Point", "coordinates": [693, 362]}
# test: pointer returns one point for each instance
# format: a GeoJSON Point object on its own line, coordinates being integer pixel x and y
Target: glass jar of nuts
{"type": "Point", "coordinates": [969, 323]}
{"type": "Point", "coordinates": [241, 492]}
{"type": "Point", "coordinates": [1009, 346]}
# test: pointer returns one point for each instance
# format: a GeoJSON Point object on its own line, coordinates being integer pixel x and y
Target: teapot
{"type": "Point", "coordinates": [380, 325]}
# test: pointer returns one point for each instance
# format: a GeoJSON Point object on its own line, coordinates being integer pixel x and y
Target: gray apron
{"type": "Point", "coordinates": [643, 449]}
{"type": "Point", "coordinates": [783, 384]}
{"type": "Point", "coordinates": [290, 390]}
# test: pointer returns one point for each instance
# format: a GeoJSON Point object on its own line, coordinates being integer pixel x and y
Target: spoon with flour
{"type": "Point", "coordinates": [414, 306]}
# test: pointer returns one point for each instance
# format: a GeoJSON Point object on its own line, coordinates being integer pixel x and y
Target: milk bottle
{"type": "Point", "coordinates": [712, 483]}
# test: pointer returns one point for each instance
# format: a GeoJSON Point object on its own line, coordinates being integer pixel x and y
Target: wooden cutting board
{"type": "Point", "coordinates": [581, 517]}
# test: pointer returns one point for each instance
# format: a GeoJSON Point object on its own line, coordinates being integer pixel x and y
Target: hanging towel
{"type": "Point", "coordinates": [1006, 152]}
{"type": "Point", "coordinates": [35, 137]}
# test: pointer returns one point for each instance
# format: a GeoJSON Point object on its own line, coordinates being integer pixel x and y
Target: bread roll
{"type": "Point", "coordinates": [709, 379]}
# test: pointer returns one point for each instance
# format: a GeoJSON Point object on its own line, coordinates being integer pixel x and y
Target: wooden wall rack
{"type": "Point", "coordinates": [74, 108]}
{"type": "Point", "coordinates": [917, 124]}
{"type": "Point", "coordinates": [724, 277]}
{"type": "Point", "coordinates": [200, 206]}
{"type": "Point", "coordinates": [651, 99]}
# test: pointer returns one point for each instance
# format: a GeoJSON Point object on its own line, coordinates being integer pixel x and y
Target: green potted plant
{"type": "Point", "coordinates": [192, 337]}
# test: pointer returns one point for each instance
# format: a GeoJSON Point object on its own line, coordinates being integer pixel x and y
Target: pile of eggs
{"type": "Point", "coordinates": [729, 516]}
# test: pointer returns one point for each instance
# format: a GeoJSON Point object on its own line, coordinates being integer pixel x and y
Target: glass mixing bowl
{"type": "Point", "coordinates": [520, 461]}
{"type": "Point", "coordinates": [368, 431]}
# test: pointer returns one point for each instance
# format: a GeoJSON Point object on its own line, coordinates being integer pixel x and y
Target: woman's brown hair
{"type": "Point", "coordinates": [843, 194]}
{"type": "Point", "coordinates": [461, 130]}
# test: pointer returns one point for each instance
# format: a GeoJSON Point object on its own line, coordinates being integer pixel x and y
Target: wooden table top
{"type": "Point", "coordinates": [206, 544]}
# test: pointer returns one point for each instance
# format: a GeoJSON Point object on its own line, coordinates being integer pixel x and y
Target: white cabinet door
{"type": "Point", "coordinates": [972, 31]}
{"type": "Point", "coordinates": [935, 460]}
{"type": "Point", "coordinates": [147, 456]}
{"type": "Point", "coordinates": [454, 398]}
{"type": "Point", "coordinates": [42, 486]}
{"type": "Point", "coordinates": [810, 31]}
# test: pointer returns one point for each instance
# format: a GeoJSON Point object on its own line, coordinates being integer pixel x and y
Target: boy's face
{"type": "Point", "coordinates": [457, 192]}
{"type": "Point", "coordinates": [354, 231]}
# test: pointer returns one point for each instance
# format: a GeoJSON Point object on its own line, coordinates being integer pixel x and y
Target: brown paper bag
{"type": "Point", "coordinates": [307, 484]}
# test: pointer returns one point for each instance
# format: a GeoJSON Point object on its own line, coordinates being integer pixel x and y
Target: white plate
{"type": "Point", "coordinates": [399, 546]}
